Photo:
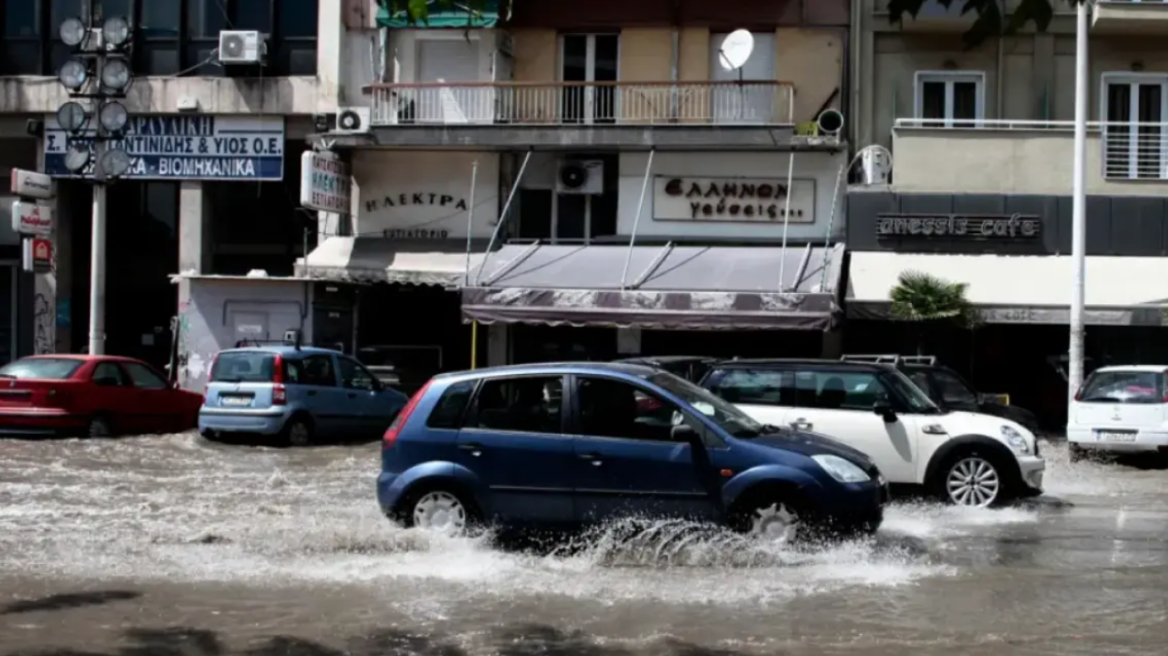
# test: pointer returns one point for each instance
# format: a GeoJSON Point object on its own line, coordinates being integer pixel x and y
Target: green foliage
{"type": "Point", "coordinates": [992, 19]}
{"type": "Point", "coordinates": [418, 11]}
{"type": "Point", "coordinates": [922, 297]}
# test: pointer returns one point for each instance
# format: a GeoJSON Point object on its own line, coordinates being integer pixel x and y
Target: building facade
{"type": "Point", "coordinates": [980, 191]}
{"type": "Point", "coordinates": [588, 186]}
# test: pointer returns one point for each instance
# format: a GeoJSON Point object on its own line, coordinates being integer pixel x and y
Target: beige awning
{"type": "Point", "coordinates": [378, 259]}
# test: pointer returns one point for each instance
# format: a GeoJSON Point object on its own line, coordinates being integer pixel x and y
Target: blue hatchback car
{"type": "Point", "coordinates": [297, 393]}
{"type": "Point", "coordinates": [563, 445]}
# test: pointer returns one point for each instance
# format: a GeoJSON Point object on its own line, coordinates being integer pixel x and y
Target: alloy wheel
{"type": "Point", "coordinates": [98, 427]}
{"type": "Point", "coordinates": [441, 512]}
{"type": "Point", "coordinates": [299, 434]}
{"type": "Point", "coordinates": [973, 482]}
{"type": "Point", "coordinates": [776, 523]}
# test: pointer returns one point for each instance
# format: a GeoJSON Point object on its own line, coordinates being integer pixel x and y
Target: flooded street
{"type": "Point", "coordinates": [170, 545]}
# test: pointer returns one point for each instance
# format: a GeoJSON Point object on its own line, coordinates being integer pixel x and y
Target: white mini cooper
{"type": "Point", "coordinates": [966, 458]}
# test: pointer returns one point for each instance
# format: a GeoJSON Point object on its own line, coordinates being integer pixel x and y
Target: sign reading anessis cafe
{"type": "Point", "coordinates": [959, 226]}
{"type": "Point", "coordinates": [733, 199]}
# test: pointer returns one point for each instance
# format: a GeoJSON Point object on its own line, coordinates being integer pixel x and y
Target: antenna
{"type": "Point", "coordinates": [735, 50]}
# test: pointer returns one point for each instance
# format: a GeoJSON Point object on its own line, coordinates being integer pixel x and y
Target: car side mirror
{"type": "Point", "coordinates": [685, 434]}
{"type": "Point", "coordinates": [885, 411]}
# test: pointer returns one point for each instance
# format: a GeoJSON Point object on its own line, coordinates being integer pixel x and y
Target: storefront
{"type": "Point", "coordinates": [389, 292]}
{"type": "Point", "coordinates": [1012, 252]}
{"type": "Point", "coordinates": [27, 316]}
{"type": "Point", "coordinates": [695, 252]}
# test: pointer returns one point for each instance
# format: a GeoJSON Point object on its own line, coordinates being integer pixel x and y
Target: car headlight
{"type": "Point", "coordinates": [1016, 440]}
{"type": "Point", "coordinates": [842, 470]}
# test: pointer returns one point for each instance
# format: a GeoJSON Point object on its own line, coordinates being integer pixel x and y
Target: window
{"type": "Point", "coordinates": [354, 376]}
{"type": "Point", "coordinates": [144, 377]}
{"type": "Point", "coordinates": [318, 370]}
{"type": "Point", "coordinates": [41, 368]}
{"type": "Point", "coordinates": [1125, 387]}
{"type": "Point", "coordinates": [171, 36]}
{"type": "Point", "coordinates": [1134, 107]}
{"type": "Point", "coordinates": [523, 405]}
{"type": "Point", "coordinates": [448, 411]}
{"type": "Point", "coordinates": [953, 390]}
{"type": "Point", "coordinates": [614, 408]}
{"type": "Point", "coordinates": [754, 386]}
{"type": "Point", "coordinates": [108, 374]}
{"type": "Point", "coordinates": [950, 98]}
{"type": "Point", "coordinates": [243, 367]}
{"type": "Point", "coordinates": [588, 59]}
{"type": "Point", "coordinates": [921, 380]}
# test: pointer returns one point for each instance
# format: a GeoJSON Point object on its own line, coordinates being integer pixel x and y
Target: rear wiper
{"type": "Point", "coordinates": [228, 380]}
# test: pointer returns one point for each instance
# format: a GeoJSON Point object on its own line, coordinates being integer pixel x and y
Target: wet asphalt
{"type": "Point", "coordinates": [169, 545]}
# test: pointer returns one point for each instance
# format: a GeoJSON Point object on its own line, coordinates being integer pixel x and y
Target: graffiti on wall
{"type": "Point", "coordinates": [195, 350]}
{"type": "Point", "coordinates": [44, 324]}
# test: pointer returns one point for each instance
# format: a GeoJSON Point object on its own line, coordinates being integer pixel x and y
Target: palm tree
{"type": "Point", "coordinates": [926, 299]}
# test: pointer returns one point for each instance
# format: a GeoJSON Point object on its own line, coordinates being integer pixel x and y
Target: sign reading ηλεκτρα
{"type": "Point", "coordinates": [325, 184]}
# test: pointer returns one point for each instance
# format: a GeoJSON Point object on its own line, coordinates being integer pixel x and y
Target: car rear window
{"type": "Point", "coordinates": [41, 368]}
{"type": "Point", "coordinates": [1125, 387]}
{"type": "Point", "coordinates": [449, 410]}
{"type": "Point", "coordinates": [243, 367]}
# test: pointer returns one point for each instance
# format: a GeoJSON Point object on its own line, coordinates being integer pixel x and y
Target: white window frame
{"type": "Point", "coordinates": [948, 78]}
{"type": "Point", "coordinates": [589, 73]}
{"type": "Point", "coordinates": [1127, 78]}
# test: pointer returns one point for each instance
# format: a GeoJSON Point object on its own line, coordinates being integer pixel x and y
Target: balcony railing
{"type": "Point", "coordinates": [583, 103]}
{"type": "Point", "coordinates": [1121, 150]}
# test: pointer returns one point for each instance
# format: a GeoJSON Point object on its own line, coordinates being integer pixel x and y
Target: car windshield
{"type": "Point", "coordinates": [918, 402]}
{"type": "Point", "coordinates": [726, 415]}
{"type": "Point", "coordinates": [1125, 387]}
{"type": "Point", "coordinates": [41, 368]}
{"type": "Point", "coordinates": [243, 367]}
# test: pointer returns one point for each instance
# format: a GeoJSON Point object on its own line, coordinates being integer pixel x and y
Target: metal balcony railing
{"type": "Point", "coordinates": [1129, 150]}
{"type": "Point", "coordinates": [584, 103]}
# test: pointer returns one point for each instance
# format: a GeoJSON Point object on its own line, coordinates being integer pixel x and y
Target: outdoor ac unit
{"type": "Point", "coordinates": [580, 176]}
{"type": "Point", "coordinates": [241, 47]}
{"type": "Point", "coordinates": [353, 119]}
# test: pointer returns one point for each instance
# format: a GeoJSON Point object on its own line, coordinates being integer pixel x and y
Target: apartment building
{"type": "Point", "coordinates": [584, 184]}
{"type": "Point", "coordinates": [980, 189]}
{"type": "Point", "coordinates": [177, 209]}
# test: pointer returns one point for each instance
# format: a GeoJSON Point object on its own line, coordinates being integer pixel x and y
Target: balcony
{"type": "Point", "coordinates": [1134, 17]}
{"type": "Point", "coordinates": [581, 115]}
{"type": "Point", "coordinates": [1028, 157]}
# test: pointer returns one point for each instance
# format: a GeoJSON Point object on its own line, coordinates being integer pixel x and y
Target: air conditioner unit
{"type": "Point", "coordinates": [352, 119]}
{"type": "Point", "coordinates": [580, 176]}
{"type": "Point", "coordinates": [242, 47]}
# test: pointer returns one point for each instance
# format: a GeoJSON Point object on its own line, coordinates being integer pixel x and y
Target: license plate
{"type": "Point", "coordinates": [235, 401]}
{"type": "Point", "coordinates": [1111, 436]}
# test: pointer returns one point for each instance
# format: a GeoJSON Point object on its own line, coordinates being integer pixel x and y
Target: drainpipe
{"type": "Point", "coordinates": [674, 72]}
{"type": "Point", "coordinates": [856, 113]}
{"type": "Point", "coordinates": [1000, 103]}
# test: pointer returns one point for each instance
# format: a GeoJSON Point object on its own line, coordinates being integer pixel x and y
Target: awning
{"type": "Point", "coordinates": [455, 14]}
{"type": "Point", "coordinates": [1021, 289]}
{"type": "Point", "coordinates": [378, 259]}
{"type": "Point", "coordinates": [671, 287]}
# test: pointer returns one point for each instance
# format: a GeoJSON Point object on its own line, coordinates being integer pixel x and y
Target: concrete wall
{"type": "Point", "coordinates": [207, 318]}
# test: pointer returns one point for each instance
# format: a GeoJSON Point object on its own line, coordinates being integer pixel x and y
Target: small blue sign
{"type": "Point", "coordinates": [179, 147]}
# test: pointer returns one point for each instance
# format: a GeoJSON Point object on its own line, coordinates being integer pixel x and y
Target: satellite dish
{"type": "Point", "coordinates": [736, 49]}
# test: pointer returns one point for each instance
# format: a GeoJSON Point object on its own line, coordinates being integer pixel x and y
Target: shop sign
{"type": "Point", "coordinates": [32, 219]}
{"type": "Point", "coordinates": [754, 200]}
{"type": "Point", "coordinates": [30, 184]}
{"type": "Point", "coordinates": [38, 255]}
{"type": "Point", "coordinates": [417, 198]}
{"type": "Point", "coordinates": [414, 233]}
{"type": "Point", "coordinates": [177, 147]}
{"type": "Point", "coordinates": [325, 184]}
{"type": "Point", "coordinates": [959, 226]}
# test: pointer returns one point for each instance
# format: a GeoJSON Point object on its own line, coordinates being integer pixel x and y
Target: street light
{"type": "Point", "coordinates": [115, 74]}
{"type": "Point", "coordinates": [114, 163]}
{"type": "Point", "coordinates": [73, 32]}
{"type": "Point", "coordinates": [113, 117]}
{"type": "Point", "coordinates": [115, 33]}
{"type": "Point", "coordinates": [72, 117]}
{"type": "Point", "coordinates": [73, 75]}
{"type": "Point", "coordinates": [1079, 209]}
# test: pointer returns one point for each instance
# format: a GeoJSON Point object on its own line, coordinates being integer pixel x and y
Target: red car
{"type": "Point", "coordinates": [91, 396]}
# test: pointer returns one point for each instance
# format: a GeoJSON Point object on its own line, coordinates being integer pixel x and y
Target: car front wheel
{"type": "Point", "coordinates": [440, 511]}
{"type": "Point", "coordinates": [774, 518]}
{"type": "Point", "coordinates": [973, 480]}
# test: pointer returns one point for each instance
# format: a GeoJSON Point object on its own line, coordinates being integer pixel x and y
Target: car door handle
{"type": "Point", "coordinates": [476, 450]}
{"type": "Point", "coordinates": [801, 424]}
{"type": "Point", "coordinates": [594, 458]}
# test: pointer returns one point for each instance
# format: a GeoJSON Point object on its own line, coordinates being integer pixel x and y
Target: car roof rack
{"type": "Point", "coordinates": [891, 358]}
{"type": "Point", "coordinates": [259, 343]}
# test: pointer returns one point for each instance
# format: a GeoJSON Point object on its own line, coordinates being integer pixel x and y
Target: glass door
{"type": "Point", "coordinates": [588, 69]}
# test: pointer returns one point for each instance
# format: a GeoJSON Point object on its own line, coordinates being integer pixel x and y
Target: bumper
{"type": "Point", "coordinates": [1143, 441]}
{"type": "Point", "coordinates": [389, 490]}
{"type": "Point", "coordinates": [237, 421]}
{"type": "Point", "coordinates": [1032, 469]}
{"type": "Point", "coordinates": [854, 507]}
{"type": "Point", "coordinates": [41, 421]}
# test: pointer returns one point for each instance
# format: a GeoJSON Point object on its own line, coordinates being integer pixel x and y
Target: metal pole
{"type": "Point", "coordinates": [637, 220]}
{"type": "Point", "coordinates": [1079, 205]}
{"type": "Point", "coordinates": [786, 221]}
{"type": "Point", "coordinates": [474, 174]}
{"type": "Point", "coordinates": [97, 273]}
{"type": "Point", "coordinates": [502, 216]}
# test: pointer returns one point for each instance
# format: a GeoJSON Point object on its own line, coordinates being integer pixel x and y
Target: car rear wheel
{"type": "Point", "coordinates": [974, 481]}
{"type": "Point", "coordinates": [1076, 453]}
{"type": "Point", "coordinates": [99, 427]}
{"type": "Point", "coordinates": [441, 511]}
{"type": "Point", "coordinates": [298, 432]}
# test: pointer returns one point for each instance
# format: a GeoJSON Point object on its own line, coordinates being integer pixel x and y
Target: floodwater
{"type": "Point", "coordinates": [173, 546]}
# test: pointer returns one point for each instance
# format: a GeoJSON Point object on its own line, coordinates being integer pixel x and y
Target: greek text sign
{"type": "Point", "coordinates": [762, 200]}
{"type": "Point", "coordinates": [176, 147]}
{"type": "Point", "coordinates": [325, 184]}
{"type": "Point", "coordinates": [959, 226]}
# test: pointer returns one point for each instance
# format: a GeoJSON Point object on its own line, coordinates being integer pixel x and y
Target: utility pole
{"type": "Point", "coordinates": [99, 75]}
{"type": "Point", "coordinates": [1079, 208]}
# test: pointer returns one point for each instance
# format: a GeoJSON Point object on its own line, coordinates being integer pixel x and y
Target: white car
{"type": "Point", "coordinates": [966, 458]}
{"type": "Point", "coordinates": [1120, 409]}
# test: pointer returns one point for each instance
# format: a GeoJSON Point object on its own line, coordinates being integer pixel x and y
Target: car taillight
{"type": "Point", "coordinates": [391, 433]}
{"type": "Point", "coordinates": [279, 395]}
{"type": "Point", "coordinates": [278, 368]}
